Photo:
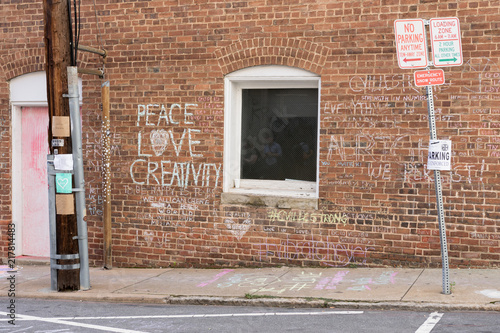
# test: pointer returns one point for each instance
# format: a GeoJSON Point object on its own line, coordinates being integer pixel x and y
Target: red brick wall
{"type": "Point", "coordinates": [377, 203]}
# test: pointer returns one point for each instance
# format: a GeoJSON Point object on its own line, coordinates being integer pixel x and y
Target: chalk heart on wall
{"type": "Point", "coordinates": [159, 140]}
{"type": "Point", "coordinates": [238, 229]}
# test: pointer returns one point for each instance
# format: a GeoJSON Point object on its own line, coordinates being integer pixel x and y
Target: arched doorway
{"type": "Point", "coordinates": [28, 96]}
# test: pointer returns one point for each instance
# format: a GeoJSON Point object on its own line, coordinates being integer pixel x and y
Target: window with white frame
{"type": "Point", "coordinates": [271, 127]}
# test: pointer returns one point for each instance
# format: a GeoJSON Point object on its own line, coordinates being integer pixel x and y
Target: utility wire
{"type": "Point", "coordinates": [77, 28]}
{"type": "Point", "coordinates": [71, 46]}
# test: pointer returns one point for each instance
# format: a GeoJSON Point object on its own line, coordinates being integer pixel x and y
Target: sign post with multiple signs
{"type": "Point", "coordinates": [446, 46]}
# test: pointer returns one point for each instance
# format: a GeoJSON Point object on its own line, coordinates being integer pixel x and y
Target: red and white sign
{"type": "Point", "coordinates": [429, 78]}
{"type": "Point", "coordinates": [446, 42]}
{"type": "Point", "coordinates": [411, 45]}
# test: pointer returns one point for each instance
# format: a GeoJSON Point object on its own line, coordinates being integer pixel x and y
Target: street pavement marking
{"type": "Point", "coordinates": [256, 314]}
{"type": "Point", "coordinates": [64, 322]}
{"type": "Point", "coordinates": [429, 324]}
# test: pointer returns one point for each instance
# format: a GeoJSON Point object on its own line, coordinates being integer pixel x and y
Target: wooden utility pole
{"type": "Point", "coordinates": [58, 55]}
{"type": "Point", "coordinates": [106, 189]}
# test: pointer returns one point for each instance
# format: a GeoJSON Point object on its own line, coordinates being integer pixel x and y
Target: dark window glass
{"type": "Point", "coordinates": [279, 134]}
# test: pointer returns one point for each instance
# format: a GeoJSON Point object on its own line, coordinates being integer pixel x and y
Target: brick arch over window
{"type": "Point", "coordinates": [272, 51]}
{"type": "Point", "coordinates": [23, 62]}
{"type": "Point", "coordinates": [29, 61]}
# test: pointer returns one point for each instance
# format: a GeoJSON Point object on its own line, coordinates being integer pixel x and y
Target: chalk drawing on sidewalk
{"type": "Point", "coordinates": [6, 270]}
{"type": "Point", "coordinates": [364, 283]}
{"type": "Point", "coordinates": [331, 282]}
{"type": "Point", "coordinates": [215, 278]}
{"type": "Point", "coordinates": [313, 281]}
{"type": "Point", "coordinates": [491, 293]}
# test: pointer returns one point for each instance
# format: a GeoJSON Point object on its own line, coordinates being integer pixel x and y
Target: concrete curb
{"type": "Point", "coordinates": [263, 302]}
{"type": "Point", "coordinates": [105, 297]}
{"type": "Point", "coordinates": [318, 303]}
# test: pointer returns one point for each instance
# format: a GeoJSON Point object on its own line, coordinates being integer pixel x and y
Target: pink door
{"type": "Point", "coordinates": [35, 224]}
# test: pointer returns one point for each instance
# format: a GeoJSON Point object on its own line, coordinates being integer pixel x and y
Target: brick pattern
{"type": "Point", "coordinates": [22, 62]}
{"type": "Point", "coordinates": [166, 63]}
{"type": "Point", "coordinates": [272, 51]}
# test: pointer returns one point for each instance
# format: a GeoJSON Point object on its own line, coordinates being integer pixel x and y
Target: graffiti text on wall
{"type": "Point", "coordinates": [328, 253]}
{"type": "Point", "coordinates": [292, 216]}
{"type": "Point", "coordinates": [154, 141]}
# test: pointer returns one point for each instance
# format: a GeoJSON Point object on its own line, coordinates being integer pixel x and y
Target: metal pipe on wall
{"type": "Point", "coordinates": [52, 222]}
{"type": "Point", "coordinates": [76, 136]}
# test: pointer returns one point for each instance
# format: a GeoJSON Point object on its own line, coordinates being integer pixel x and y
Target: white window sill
{"type": "Point", "coordinates": [276, 194]}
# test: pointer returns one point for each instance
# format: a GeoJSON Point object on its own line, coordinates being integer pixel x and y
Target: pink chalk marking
{"type": "Point", "coordinates": [218, 276]}
{"type": "Point", "coordinates": [322, 283]}
{"type": "Point", "coordinates": [337, 279]}
{"type": "Point", "coordinates": [331, 282]}
{"type": "Point", "coordinates": [393, 275]}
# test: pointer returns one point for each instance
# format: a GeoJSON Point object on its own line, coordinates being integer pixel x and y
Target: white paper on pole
{"type": "Point", "coordinates": [63, 162]}
{"type": "Point", "coordinates": [439, 157]}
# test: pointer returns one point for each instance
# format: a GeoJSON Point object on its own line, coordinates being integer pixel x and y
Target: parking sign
{"type": "Point", "coordinates": [411, 45]}
{"type": "Point", "coordinates": [446, 42]}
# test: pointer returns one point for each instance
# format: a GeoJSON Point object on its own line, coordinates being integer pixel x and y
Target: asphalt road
{"type": "Point", "coordinates": [51, 316]}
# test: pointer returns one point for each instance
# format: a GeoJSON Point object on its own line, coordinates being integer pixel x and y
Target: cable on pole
{"type": "Point", "coordinates": [70, 23]}
{"type": "Point", "coordinates": [77, 29]}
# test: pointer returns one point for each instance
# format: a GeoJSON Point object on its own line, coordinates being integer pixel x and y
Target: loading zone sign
{"type": "Point", "coordinates": [446, 42]}
{"type": "Point", "coordinates": [439, 157]}
{"type": "Point", "coordinates": [411, 45]}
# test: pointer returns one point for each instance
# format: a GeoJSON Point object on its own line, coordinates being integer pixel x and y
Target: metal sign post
{"type": "Point", "coordinates": [411, 52]}
{"type": "Point", "coordinates": [439, 197]}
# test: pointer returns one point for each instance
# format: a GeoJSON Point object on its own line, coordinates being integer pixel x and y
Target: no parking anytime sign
{"type": "Point", "coordinates": [439, 157]}
{"type": "Point", "coordinates": [411, 46]}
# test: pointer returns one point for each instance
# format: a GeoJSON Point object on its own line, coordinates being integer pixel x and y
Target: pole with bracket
{"type": "Point", "coordinates": [439, 196]}
{"type": "Point", "coordinates": [54, 256]}
{"type": "Point", "coordinates": [102, 53]}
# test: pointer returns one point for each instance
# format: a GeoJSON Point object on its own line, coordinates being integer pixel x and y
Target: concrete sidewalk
{"type": "Point", "coordinates": [368, 288]}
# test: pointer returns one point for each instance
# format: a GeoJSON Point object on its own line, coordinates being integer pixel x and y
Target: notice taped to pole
{"type": "Point", "coordinates": [439, 157]}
